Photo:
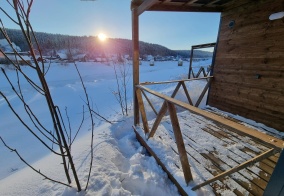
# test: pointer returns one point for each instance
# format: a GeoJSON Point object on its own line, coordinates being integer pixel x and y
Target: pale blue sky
{"type": "Point", "coordinates": [113, 17]}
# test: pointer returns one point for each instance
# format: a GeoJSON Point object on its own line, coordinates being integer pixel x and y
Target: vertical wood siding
{"type": "Point", "coordinates": [249, 65]}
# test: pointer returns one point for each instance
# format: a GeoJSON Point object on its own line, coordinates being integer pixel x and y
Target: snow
{"type": "Point", "coordinates": [250, 123]}
{"type": "Point", "coordinates": [4, 45]}
{"type": "Point", "coordinates": [121, 166]}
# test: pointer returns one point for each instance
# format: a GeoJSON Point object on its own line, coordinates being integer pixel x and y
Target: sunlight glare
{"type": "Point", "coordinates": [102, 36]}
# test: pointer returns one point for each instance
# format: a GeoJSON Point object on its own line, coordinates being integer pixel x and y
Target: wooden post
{"type": "Point", "coordinates": [162, 112]}
{"type": "Point", "coordinates": [203, 92]}
{"type": "Point", "coordinates": [190, 64]}
{"type": "Point", "coordinates": [180, 144]}
{"type": "Point", "coordinates": [135, 41]}
{"type": "Point", "coordinates": [142, 110]}
{"type": "Point", "coordinates": [186, 93]}
{"type": "Point", "coordinates": [151, 105]}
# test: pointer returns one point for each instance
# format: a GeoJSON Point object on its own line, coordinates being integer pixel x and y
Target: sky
{"type": "Point", "coordinates": [113, 17]}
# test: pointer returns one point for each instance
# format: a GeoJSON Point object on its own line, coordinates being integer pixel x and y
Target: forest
{"type": "Point", "coordinates": [91, 45]}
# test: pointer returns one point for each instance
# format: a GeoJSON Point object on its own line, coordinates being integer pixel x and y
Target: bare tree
{"type": "Point", "coordinates": [59, 137]}
{"type": "Point", "coordinates": [121, 71]}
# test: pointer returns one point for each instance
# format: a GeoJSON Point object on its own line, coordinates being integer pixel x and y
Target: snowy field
{"type": "Point", "coordinates": [121, 166]}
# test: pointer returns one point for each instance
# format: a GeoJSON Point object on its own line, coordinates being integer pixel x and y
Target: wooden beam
{"type": "Point", "coordinates": [237, 168]}
{"type": "Point", "coordinates": [144, 143]}
{"type": "Point", "coordinates": [186, 8]}
{"type": "Point", "coordinates": [162, 113]}
{"type": "Point", "coordinates": [203, 93]}
{"type": "Point", "coordinates": [145, 6]}
{"type": "Point", "coordinates": [190, 2]}
{"type": "Point", "coordinates": [173, 81]}
{"type": "Point", "coordinates": [190, 64]}
{"type": "Point", "coordinates": [212, 2]}
{"type": "Point", "coordinates": [148, 100]}
{"type": "Point", "coordinates": [165, 1]}
{"type": "Point", "coordinates": [180, 144]}
{"type": "Point", "coordinates": [208, 45]}
{"type": "Point", "coordinates": [135, 42]}
{"type": "Point", "coordinates": [186, 93]}
{"type": "Point", "coordinates": [269, 140]}
{"type": "Point", "coordinates": [142, 111]}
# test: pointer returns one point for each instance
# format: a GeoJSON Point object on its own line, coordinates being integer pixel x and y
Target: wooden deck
{"type": "Point", "coordinates": [211, 149]}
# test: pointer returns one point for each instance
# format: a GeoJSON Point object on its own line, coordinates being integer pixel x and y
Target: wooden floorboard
{"type": "Point", "coordinates": [222, 166]}
{"type": "Point", "coordinates": [197, 160]}
{"type": "Point", "coordinates": [230, 149]}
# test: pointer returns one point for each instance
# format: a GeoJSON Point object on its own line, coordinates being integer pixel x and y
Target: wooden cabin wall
{"type": "Point", "coordinates": [249, 64]}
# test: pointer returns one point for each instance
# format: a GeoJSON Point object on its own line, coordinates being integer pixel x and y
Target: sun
{"type": "Point", "coordinates": [102, 36]}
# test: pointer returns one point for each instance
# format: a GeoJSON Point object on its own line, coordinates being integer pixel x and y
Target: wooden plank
{"type": "Point", "coordinates": [149, 102]}
{"type": "Point", "coordinates": [260, 101]}
{"type": "Point", "coordinates": [253, 46]}
{"type": "Point", "coordinates": [199, 162]}
{"type": "Point", "coordinates": [208, 45]}
{"type": "Point", "coordinates": [269, 140]}
{"type": "Point", "coordinates": [262, 167]}
{"type": "Point", "coordinates": [190, 63]}
{"type": "Point", "coordinates": [233, 154]}
{"type": "Point", "coordinates": [242, 5]}
{"type": "Point", "coordinates": [178, 8]}
{"type": "Point", "coordinates": [238, 139]}
{"type": "Point", "coordinates": [251, 72]}
{"type": "Point", "coordinates": [214, 168]}
{"type": "Point", "coordinates": [143, 143]}
{"type": "Point", "coordinates": [162, 112]}
{"type": "Point", "coordinates": [186, 93]}
{"type": "Point", "coordinates": [236, 108]}
{"type": "Point", "coordinates": [135, 42]}
{"type": "Point", "coordinates": [142, 111]}
{"type": "Point", "coordinates": [212, 2]}
{"type": "Point", "coordinates": [145, 6]}
{"type": "Point", "coordinates": [203, 92]}
{"type": "Point", "coordinates": [190, 2]}
{"type": "Point", "coordinates": [174, 81]}
{"type": "Point", "coordinates": [254, 63]}
{"type": "Point", "coordinates": [276, 183]}
{"type": "Point", "coordinates": [180, 144]}
{"type": "Point", "coordinates": [273, 84]}
{"type": "Point", "coordinates": [264, 103]}
{"type": "Point", "coordinates": [235, 169]}
{"type": "Point", "coordinates": [255, 187]}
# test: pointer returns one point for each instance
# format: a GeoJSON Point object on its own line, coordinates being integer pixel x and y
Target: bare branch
{"type": "Point", "coordinates": [92, 121]}
{"type": "Point", "coordinates": [37, 171]}
{"type": "Point", "coordinates": [30, 130]}
{"type": "Point", "coordinates": [80, 126]}
{"type": "Point", "coordinates": [28, 110]}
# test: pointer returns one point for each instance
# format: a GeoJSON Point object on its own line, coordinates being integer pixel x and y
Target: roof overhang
{"type": "Point", "coordinates": [180, 5]}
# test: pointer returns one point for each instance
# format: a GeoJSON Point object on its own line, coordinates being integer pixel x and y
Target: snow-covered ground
{"type": "Point", "coordinates": [121, 166]}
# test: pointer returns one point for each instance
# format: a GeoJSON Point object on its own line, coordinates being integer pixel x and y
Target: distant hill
{"type": "Point", "coordinates": [51, 43]}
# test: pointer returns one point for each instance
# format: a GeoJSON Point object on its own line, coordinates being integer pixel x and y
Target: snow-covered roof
{"type": "Point", "coordinates": [5, 46]}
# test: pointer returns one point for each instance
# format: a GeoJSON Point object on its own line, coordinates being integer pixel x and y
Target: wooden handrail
{"type": "Point", "coordinates": [256, 159]}
{"type": "Point", "coordinates": [269, 140]}
{"type": "Point", "coordinates": [174, 81]}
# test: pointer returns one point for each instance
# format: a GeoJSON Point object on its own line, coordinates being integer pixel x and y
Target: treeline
{"type": "Point", "coordinates": [91, 45]}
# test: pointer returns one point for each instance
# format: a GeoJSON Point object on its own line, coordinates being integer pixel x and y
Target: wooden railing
{"type": "Point", "coordinates": [201, 70]}
{"type": "Point", "coordinates": [170, 104]}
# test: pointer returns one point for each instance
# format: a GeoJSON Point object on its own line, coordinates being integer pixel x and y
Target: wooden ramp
{"type": "Point", "coordinates": [229, 162]}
